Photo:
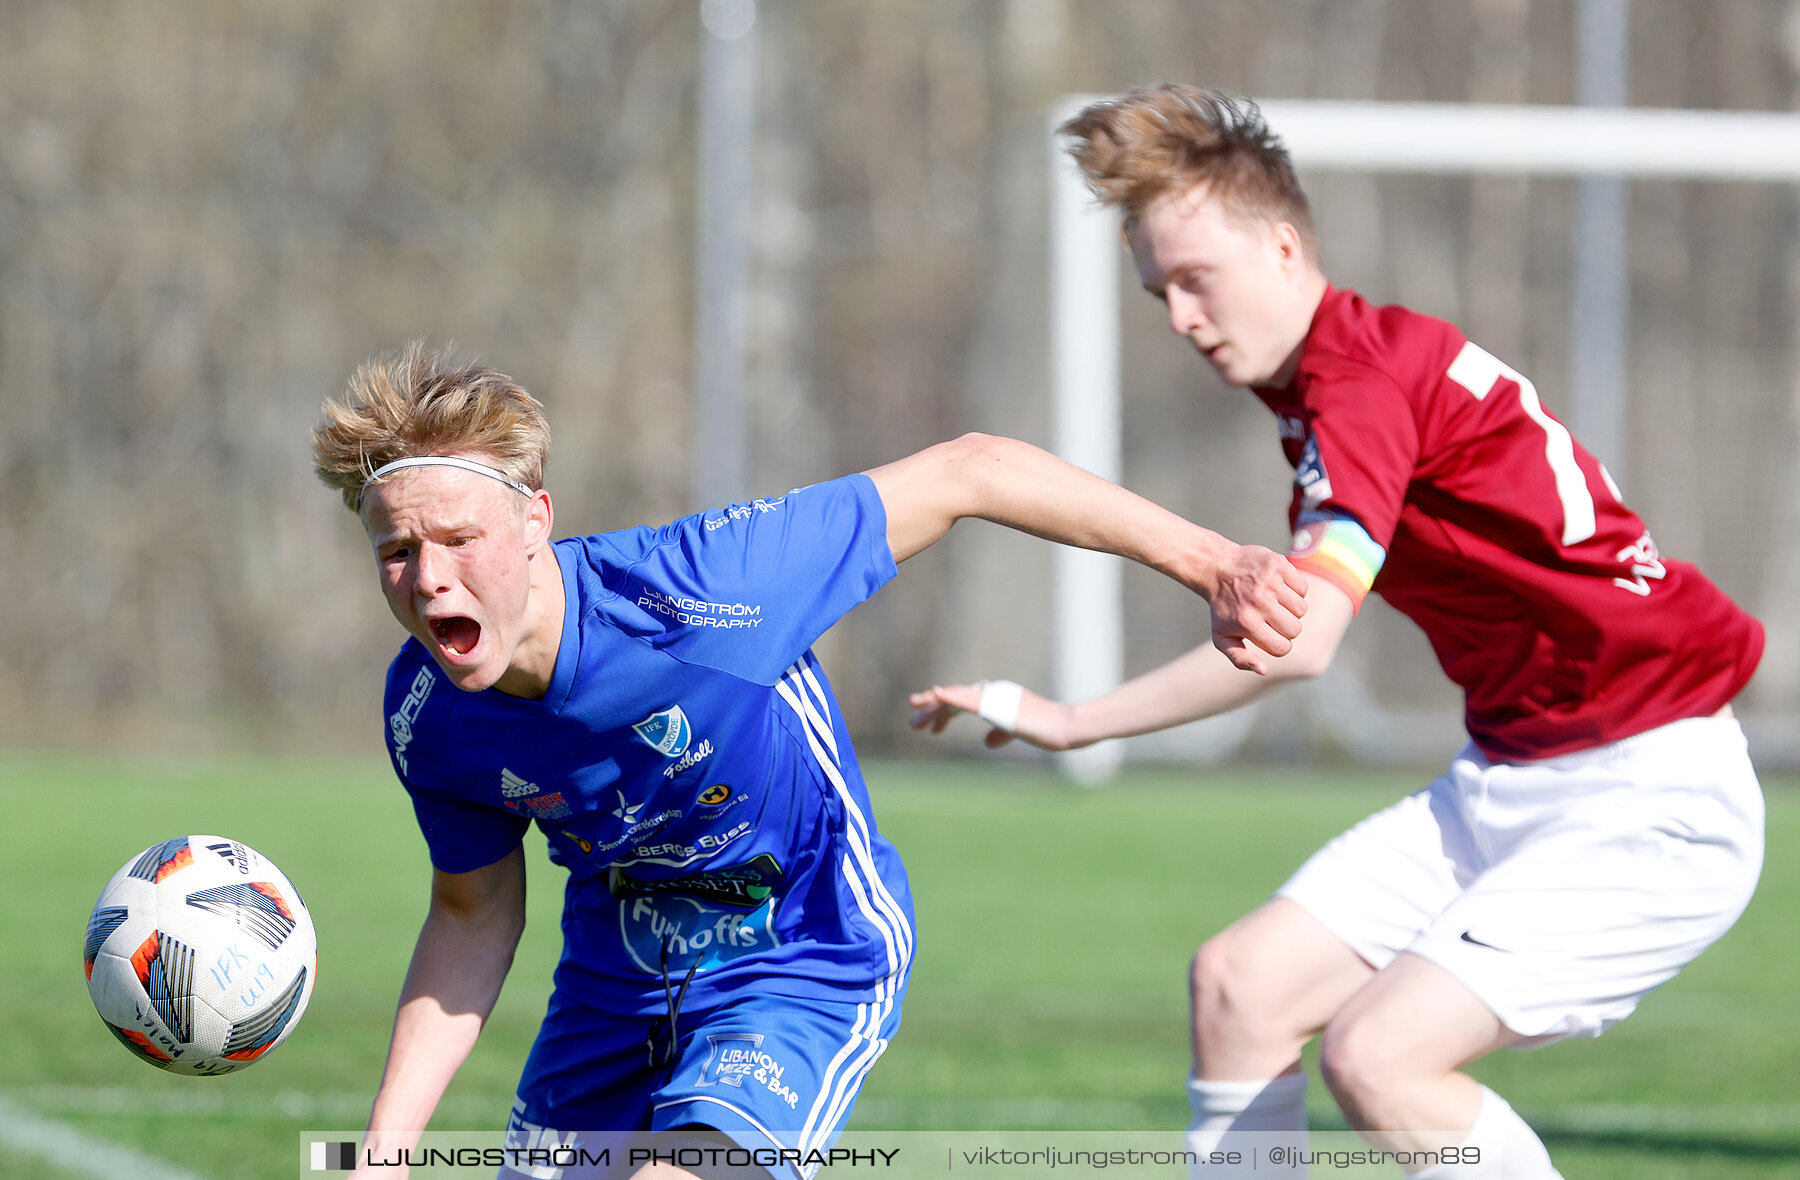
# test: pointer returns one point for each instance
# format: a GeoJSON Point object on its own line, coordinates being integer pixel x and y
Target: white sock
{"type": "Point", "coordinates": [1242, 1116]}
{"type": "Point", "coordinates": [1509, 1149]}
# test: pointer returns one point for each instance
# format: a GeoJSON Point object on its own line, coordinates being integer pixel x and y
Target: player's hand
{"type": "Point", "coordinates": [1042, 722]}
{"type": "Point", "coordinates": [1259, 598]}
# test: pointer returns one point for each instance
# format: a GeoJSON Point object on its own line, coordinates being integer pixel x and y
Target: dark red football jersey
{"type": "Point", "coordinates": [1542, 594]}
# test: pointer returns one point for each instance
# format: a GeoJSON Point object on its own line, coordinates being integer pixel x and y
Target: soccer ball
{"type": "Point", "coordinates": [200, 955]}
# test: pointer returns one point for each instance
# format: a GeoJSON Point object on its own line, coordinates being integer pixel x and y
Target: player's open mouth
{"type": "Point", "coordinates": [456, 634]}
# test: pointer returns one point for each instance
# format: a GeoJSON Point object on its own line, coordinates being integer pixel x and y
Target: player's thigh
{"type": "Point", "coordinates": [1342, 916]}
{"type": "Point", "coordinates": [1412, 1020]}
{"type": "Point", "coordinates": [1378, 885]}
{"type": "Point", "coordinates": [1278, 969]}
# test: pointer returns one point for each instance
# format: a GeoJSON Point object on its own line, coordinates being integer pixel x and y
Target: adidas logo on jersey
{"type": "Point", "coordinates": [512, 786]}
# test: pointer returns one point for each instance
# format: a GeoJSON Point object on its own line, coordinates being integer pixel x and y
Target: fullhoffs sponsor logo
{"type": "Point", "coordinates": [693, 932]}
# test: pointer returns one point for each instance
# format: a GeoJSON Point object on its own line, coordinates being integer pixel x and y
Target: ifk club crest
{"type": "Point", "coordinates": [667, 732]}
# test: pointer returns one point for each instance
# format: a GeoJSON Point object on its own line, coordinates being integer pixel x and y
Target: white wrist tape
{"type": "Point", "coordinates": [1000, 703]}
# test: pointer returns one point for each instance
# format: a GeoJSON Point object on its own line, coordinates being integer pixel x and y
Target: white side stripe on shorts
{"type": "Point", "coordinates": [841, 1095]}
{"type": "Point", "coordinates": [811, 1131]}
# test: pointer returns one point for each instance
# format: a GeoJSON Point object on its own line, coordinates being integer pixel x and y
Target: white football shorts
{"type": "Point", "coordinates": [1561, 891]}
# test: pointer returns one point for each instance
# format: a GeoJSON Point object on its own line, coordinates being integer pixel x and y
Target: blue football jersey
{"type": "Point", "coordinates": [688, 764]}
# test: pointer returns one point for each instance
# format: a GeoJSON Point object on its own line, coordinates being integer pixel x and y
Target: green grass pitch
{"type": "Point", "coordinates": [1055, 926]}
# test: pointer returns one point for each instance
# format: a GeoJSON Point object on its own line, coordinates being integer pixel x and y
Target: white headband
{"type": "Point", "coordinates": [447, 461]}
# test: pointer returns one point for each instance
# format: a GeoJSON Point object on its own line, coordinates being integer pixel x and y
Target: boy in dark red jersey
{"type": "Point", "coordinates": [1603, 826]}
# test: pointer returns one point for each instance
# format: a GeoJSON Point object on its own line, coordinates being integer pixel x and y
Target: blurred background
{"type": "Point", "coordinates": [211, 212]}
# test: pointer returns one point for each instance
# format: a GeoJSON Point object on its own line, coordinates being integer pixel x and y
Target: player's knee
{"type": "Point", "coordinates": [1226, 988]}
{"type": "Point", "coordinates": [1357, 1066]}
{"type": "Point", "coordinates": [1207, 977]}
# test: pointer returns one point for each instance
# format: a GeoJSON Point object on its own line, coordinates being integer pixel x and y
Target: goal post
{"type": "Point", "coordinates": [1364, 137]}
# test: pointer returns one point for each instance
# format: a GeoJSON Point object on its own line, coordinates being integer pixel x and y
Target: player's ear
{"type": "Point", "coordinates": [1288, 246]}
{"type": "Point", "coordinates": [540, 519]}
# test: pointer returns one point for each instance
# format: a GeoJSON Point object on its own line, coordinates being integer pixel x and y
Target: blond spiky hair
{"type": "Point", "coordinates": [420, 402]}
{"type": "Point", "coordinates": [1158, 140]}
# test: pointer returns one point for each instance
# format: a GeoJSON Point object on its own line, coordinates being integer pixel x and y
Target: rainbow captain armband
{"type": "Point", "coordinates": [1338, 549]}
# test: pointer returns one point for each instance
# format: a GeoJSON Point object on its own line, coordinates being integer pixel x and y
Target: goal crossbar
{"type": "Point", "coordinates": [1541, 140]}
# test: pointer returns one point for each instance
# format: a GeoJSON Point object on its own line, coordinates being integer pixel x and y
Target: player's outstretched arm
{"type": "Point", "coordinates": [463, 954]}
{"type": "Point", "coordinates": [1200, 684]}
{"type": "Point", "coordinates": [1255, 595]}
